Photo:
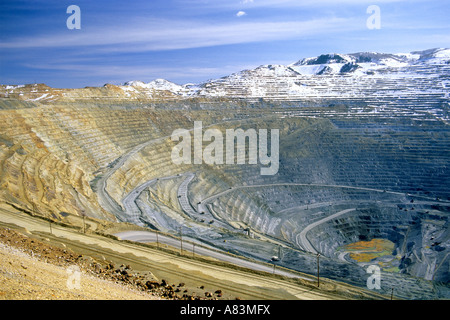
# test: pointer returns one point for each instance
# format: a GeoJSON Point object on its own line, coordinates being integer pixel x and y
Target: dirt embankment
{"type": "Point", "coordinates": [33, 269]}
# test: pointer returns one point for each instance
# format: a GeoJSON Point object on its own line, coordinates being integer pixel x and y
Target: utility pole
{"type": "Point", "coordinates": [318, 277]}
{"type": "Point", "coordinates": [157, 242]}
{"type": "Point", "coordinates": [181, 242]}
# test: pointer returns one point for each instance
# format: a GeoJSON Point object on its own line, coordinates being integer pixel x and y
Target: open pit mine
{"type": "Point", "coordinates": [363, 164]}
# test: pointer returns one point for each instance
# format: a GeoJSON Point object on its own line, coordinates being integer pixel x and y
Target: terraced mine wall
{"type": "Point", "coordinates": [348, 173]}
{"type": "Point", "coordinates": [385, 174]}
{"type": "Point", "coordinates": [51, 154]}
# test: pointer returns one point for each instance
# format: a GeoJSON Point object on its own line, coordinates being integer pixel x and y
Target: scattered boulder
{"type": "Point", "coordinates": [152, 284]}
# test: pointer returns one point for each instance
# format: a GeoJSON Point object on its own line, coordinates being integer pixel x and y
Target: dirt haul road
{"type": "Point", "coordinates": [198, 275]}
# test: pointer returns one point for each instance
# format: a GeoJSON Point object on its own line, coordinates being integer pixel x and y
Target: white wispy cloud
{"type": "Point", "coordinates": [292, 3]}
{"type": "Point", "coordinates": [170, 35]}
{"type": "Point", "coordinates": [241, 13]}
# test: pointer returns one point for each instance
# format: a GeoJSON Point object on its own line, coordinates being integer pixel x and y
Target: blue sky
{"type": "Point", "coordinates": [192, 41]}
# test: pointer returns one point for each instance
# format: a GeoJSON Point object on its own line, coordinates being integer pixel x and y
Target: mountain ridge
{"type": "Point", "coordinates": [331, 75]}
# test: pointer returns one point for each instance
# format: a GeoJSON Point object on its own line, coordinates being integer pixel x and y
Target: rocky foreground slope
{"type": "Point", "coordinates": [364, 155]}
{"type": "Point", "coordinates": [32, 269]}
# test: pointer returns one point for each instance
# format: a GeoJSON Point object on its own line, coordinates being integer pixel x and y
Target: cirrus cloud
{"type": "Point", "coordinates": [169, 35]}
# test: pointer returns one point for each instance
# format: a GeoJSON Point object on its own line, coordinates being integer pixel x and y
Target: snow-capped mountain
{"type": "Point", "coordinates": [158, 85]}
{"type": "Point", "coordinates": [363, 62]}
{"type": "Point", "coordinates": [356, 75]}
{"type": "Point", "coordinates": [417, 79]}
